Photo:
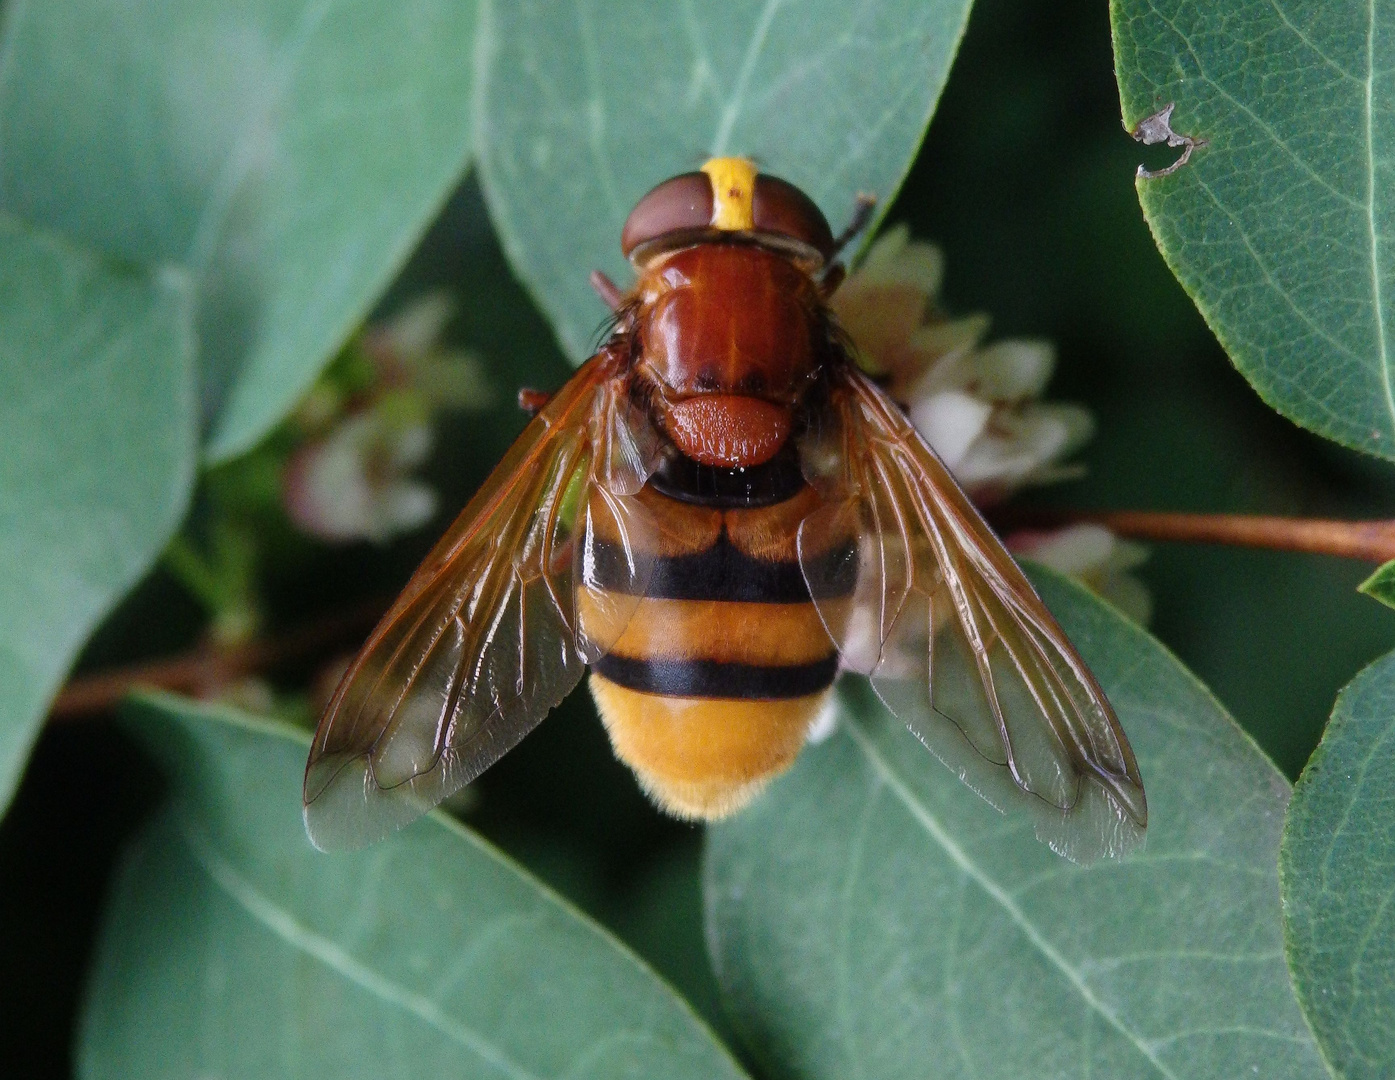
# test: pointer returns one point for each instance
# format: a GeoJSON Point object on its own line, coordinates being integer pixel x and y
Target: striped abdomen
{"type": "Point", "coordinates": [712, 687]}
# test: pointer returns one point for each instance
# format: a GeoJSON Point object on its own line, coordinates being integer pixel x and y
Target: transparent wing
{"type": "Point", "coordinates": [488, 635]}
{"type": "Point", "coordinates": [953, 636]}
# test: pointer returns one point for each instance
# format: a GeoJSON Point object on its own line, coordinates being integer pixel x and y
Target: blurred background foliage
{"type": "Point", "coordinates": [1026, 181]}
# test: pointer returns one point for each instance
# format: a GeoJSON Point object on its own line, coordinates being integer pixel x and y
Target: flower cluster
{"type": "Point", "coordinates": [369, 426]}
{"type": "Point", "coordinates": [1094, 556]}
{"type": "Point", "coordinates": [340, 468]}
{"type": "Point", "coordinates": [978, 405]}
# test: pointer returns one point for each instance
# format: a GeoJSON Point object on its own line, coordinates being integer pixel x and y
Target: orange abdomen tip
{"type": "Point", "coordinates": [704, 758]}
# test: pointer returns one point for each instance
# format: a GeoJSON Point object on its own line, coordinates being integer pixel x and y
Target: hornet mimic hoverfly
{"type": "Point", "coordinates": [716, 513]}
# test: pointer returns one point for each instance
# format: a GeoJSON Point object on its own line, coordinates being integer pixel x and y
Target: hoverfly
{"type": "Point", "coordinates": [717, 512]}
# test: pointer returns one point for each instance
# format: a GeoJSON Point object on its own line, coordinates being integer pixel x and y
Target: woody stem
{"type": "Point", "coordinates": [1373, 541]}
{"type": "Point", "coordinates": [210, 665]}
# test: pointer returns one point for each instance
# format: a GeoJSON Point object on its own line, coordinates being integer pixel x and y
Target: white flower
{"type": "Point", "coordinates": [952, 422]}
{"type": "Point", "coordinates": [369, 423]}
{"type": "Point", "coordinates": [978, 406]}
{"type": "Point", "coordinates": [352, 484]}
{"type": "Point", "coordinates": [1017, 447]}
{"type": "Point", "coordinates": [1097, 558]}
{"type": "Point", "coordinates": [975, 405]}
{"type": "Point", "coordinates": [407, 351]}
{"type": "Point", "coordinates": [416, 329]}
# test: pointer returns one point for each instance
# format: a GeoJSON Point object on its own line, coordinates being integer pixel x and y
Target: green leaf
{"type": "Point", "coordinates": [1280, 227]}
{"type": "Point", "coordinates": [287, 155]}
{"type": "Point", "coordinates": [583, 108]}
{"type": "Point", "coordinates": [97, 448]}
{"type": "Point", "coordinates": [1381, 585]}
{"type": "Point", "coordinates": [233, 948]}
{"type": "Point", "coordinates": [870, 915]}
{"type": "Point", "coordinates": [1338, 872]}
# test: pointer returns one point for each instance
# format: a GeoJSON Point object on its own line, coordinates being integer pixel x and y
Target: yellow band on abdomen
{"type": "Point", "coordinates": [716, 630]}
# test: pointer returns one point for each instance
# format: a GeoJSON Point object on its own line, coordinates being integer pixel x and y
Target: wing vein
{"type": "Point", "coordinates": [982, 674]}
{"type": "Point", "coordinates": [485, 638]}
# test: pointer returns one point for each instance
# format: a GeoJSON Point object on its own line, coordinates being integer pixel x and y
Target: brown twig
{"type": "Point", "coordinates": [1373, 541]}
{"type": "Point", "coordinates": [209, 666]}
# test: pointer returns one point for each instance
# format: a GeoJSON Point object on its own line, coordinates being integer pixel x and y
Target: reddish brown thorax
{"type": "Point", "coordinates": [727, 334]}
{"type": "Point", "coordinates": [728, 314]}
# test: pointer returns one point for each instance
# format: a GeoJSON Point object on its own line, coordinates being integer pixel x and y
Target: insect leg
{"type": "Point", "coordinates": [532, 401]}
{"type": "Point", "coordinates": [862, 214]}
{"type": "Point", "coordinates": [607, 290]}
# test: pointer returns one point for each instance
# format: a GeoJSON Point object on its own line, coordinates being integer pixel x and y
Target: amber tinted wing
{"type": "Point", "coordinates": [955, 640]}
{"type": "Point", "coordinates": [485, 638]}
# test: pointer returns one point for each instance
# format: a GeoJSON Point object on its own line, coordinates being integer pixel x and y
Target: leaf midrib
{"type": "Point", "coordinates": [1383, 358]}
{"type": "Point", "coordinates": [1377, 292]}
{"type": "Point", "coordinates": [285, 926]}
{"type": "Point", "coordinates": [209, 229]}
{"type": "Point", "coordinates": [960, 858]}
{"type": "Point", "coordinates": [213, 217]}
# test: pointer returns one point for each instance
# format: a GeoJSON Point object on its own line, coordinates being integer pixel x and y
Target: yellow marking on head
{"type": "Point", "coordinates": [733, 190]}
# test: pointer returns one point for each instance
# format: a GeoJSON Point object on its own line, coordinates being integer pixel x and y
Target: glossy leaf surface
{"type": "Point", "coordinates": [233, 948]}
{"type": "Point", "coordinates": [585, 107]}
{"type": "Point", "coordinates": [1281, 226]}
{"type": "Point", "coordinates": [871, 916]}
{"type": "Point", "coordinates": [287, 155]}
{"type": "Point", "coordinates": [1338, 871]}
{"type": "Point", "coordinates": [97, 446]}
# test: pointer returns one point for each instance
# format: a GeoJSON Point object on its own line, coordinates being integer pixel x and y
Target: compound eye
{"type": "Point", "coordinates": [780, 207]}
{"type": "Point", "coordinates": [684, 202]}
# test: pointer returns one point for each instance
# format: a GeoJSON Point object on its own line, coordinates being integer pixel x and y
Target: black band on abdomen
{"type": "Point", "coordinates": [724, 572]}
{"type": "Point", "coordinates": [710, 679]}
{"type": "Point", "coordinates": [769, 484]}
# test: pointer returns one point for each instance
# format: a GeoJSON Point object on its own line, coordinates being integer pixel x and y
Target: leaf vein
{"type": "Point", "coordinates": [1273, 282]}
{"type": "Point", "coordinates": [262, 909]}
{"type": "Point", "coordinates": [1259, 123]}
{"type": "Point", "coordinates": [743, 77]}
{"type": "Point", "coordinates": [1301, 36]}
{"type": "Point", "coordinates": [998, 893]}
{"type": "Point", "coordinates": [1377, 291]}
{"type": "Point", "coordinates": [234, 169]}
{"type": "Point", "coordinates": [596, 114]}
{"type": "Point", "coordinates": [845, 903]}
